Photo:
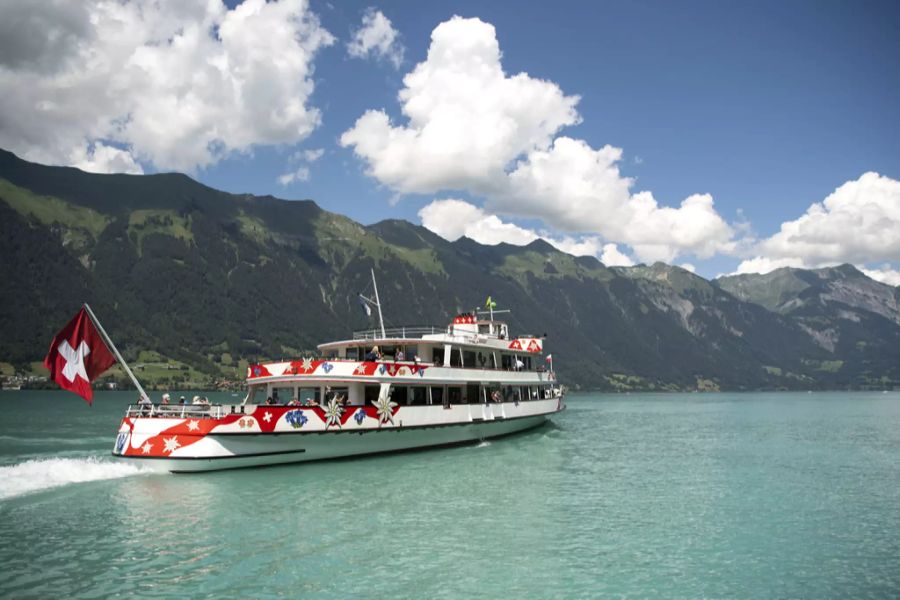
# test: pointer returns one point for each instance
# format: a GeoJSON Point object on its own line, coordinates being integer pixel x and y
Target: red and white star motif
{"type": "Point", "coordinates": [193, 425]}
{"type": "Point", "coordinates": [171, 444]}
{"type": "Point", "coordinates": [146, 448]}
{"type": "Point", "coordinates": [267, 416]}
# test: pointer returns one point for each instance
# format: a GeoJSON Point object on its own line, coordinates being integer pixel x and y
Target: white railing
{"type": "Point", "coordinates": [176, 411]}
{"type": "Point", "coordinates": [397, 332]}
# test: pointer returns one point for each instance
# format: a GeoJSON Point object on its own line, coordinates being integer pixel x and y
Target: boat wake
{"type": "Point", "coordinates": [42, 474]}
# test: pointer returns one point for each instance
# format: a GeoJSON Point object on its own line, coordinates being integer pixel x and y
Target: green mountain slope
{"type": "Point", "coordinates": [208, 279]}
{"type": "Point", "coordinates": [853, 318]}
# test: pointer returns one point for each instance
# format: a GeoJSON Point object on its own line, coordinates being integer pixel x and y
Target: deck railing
{"type": "Point", "coordinates": [398, 332]}
{"type": "Point", "coordinates": [176, 411]}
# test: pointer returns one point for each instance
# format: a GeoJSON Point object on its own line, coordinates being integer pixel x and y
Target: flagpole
{"type": "Point", "coordinates": [378, 304]}
{"type": "Point", "coordinates": [115, 351]}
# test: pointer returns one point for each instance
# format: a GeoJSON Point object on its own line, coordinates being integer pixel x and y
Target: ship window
{"type": "Point", "coordinates": [305, 395]}
{"type": "Point", "coordinates": [282, 395]}
{"type": "Point", "coordinates": [353, 353]}
{"type": "Point", "coordinates": [469, 359]}
{"type": "Point", "coordinates": [371, 393]}
{"type": "Point", "coordinates": [417, 395]}
{"type": "Point", "coordinates": [335, 392]}
{"type": "Point", "coordinates": [456, 359]}
{"type": "Point", "coordinates": [438, 356]}
{"type": "Point", "coordinates": [506, 362]}
{"type": "Point", "coordinates": [437, 395]}
{"type": "Point", "coordinates": [473, 395]}
{"type": "Point", "coordinates": [454, 394]}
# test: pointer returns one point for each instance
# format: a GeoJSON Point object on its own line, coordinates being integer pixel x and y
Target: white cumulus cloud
{"type": "Point", "coordinates": [100, 158]}
{"type": "Point", "coordinates": [613, 257]}
{"type": "Point", "coordinates": [452, 218]}
{"type": "Point", "coordinates": [472, 127]}
{"type": "Point", "coordinates": [376, 37]}
{"type": "Point", "coordinates": [858, 223]}
{"type": "Point", "coordinates": [467, 120]}
{"type": "Point", "coordinates": [174, 84]}
{"type": "Point", "coordinates": [884, 274]}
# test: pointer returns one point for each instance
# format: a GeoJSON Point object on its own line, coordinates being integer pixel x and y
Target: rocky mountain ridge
{"type": "Point", "coordinates": [209, 280]}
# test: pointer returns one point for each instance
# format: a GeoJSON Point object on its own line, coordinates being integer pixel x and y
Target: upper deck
{"type": "Point", "coordinates": [468, 348]}
{"type": "Point", "coordinates": [465, 332]}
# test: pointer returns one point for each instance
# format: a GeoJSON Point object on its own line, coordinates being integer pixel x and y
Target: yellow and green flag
{"type": "Point", "coordinates": [490, 303]}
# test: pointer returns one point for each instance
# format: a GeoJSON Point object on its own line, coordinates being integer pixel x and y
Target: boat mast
{"type": "Point", "coordinates": [115, 351]}
{"type": "Point", "coordinates": [378, 304]}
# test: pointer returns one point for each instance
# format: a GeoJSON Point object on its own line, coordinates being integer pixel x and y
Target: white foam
{"type": "Point", "coordinates": [37, 475]}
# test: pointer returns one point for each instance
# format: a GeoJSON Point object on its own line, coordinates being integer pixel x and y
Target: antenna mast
{"type": "Point", "coordinates": [378, 304]}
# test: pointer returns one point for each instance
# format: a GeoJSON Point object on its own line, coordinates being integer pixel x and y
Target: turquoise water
{"type": "Point", "coordinates": [695, 495]}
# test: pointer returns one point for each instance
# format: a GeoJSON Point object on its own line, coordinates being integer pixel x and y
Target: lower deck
{"type": "Point", "coordinates": [267, 449]}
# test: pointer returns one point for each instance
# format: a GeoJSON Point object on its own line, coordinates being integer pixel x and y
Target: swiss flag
{"type": "Point", "coordinates": [78, 356]}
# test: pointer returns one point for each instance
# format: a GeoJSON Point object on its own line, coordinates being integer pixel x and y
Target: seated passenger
{"type": "Point", "coordinates": [294, 402]}
{"type": "Point", "coordinates": [399, 356]}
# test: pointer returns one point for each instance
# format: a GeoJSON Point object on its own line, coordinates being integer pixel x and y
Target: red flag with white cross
{"type": "Point", "coordinates": [78, 356]}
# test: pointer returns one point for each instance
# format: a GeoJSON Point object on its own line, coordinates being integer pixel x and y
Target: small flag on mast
{"type": "Point", "coordinates": [365, 305]}
{"type": "Point", "coordinates": [490, 304]}
{"type": "Point", "coordinates": [78, 356]}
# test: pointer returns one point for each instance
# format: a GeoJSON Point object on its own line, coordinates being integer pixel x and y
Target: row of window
{"type": "Point", "coordinates": [418, 395]}
{"type": "Point", "coordinates": [459, 357]}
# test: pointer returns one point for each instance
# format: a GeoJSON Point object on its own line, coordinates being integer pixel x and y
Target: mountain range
{"type": "Point", "coordinates": [209, 280]}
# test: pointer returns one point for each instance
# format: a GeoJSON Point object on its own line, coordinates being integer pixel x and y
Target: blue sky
{"type": "Point", "coordinates": [768, 107]}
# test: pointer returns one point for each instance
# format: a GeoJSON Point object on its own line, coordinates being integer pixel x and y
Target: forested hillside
{"type": "Point", "coordinates": [208, 280]}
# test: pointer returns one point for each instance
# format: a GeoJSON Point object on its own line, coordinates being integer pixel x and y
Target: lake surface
{"type": "Point", "coordinates": [677, 495]}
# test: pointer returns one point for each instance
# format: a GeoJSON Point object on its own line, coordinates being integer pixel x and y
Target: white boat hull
{"type": "Point", "coordinates": [273, 449]}
{"type": "Point", "coordinates": [230, 437]}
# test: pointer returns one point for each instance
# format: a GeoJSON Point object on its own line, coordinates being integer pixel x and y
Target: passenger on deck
{"type": "Point", "coordinates": [519, 364]}
{"type": "Point", "coordinates": [294, 402]}
{"type": "Point", "coordinates": [269, 400]}
{"type": "Point", "coordinates": [165, 398]}
{"type": "Point", "coordinates": [399, 356]}
{"type": "Point", "coordinates": [182, 400]}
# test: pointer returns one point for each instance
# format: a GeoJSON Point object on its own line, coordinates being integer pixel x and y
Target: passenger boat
{"type": "Point", "coordinates": [382, 390]}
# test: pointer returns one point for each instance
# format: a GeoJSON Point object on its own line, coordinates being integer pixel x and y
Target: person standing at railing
{"type": "Point", "coordinates": [145, 404]}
